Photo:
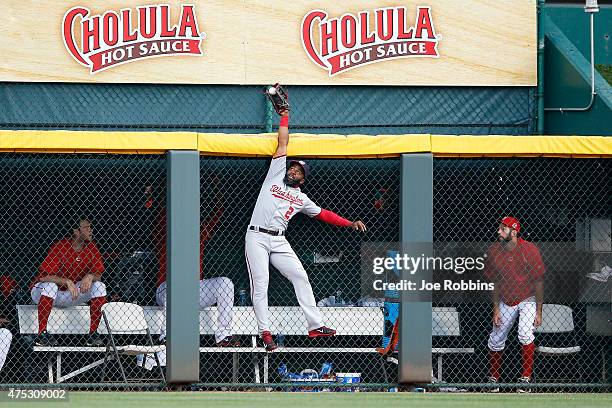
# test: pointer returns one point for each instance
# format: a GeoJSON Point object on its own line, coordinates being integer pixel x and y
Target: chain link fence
{"type": "Point", "coordinates": [563, 209]}
{"type": "Point", "coordinates": [69, 216]}
{"type": "Point", "coordinates": [563, 206]}
{"type": "Point", "coordinates": [330, 255]}
{"type": "Point", "coordinates": [122, 198]}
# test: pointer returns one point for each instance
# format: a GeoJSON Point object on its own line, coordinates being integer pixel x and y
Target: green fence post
{"type": "Point", "coordinates": [416, 233]}
{"type": "Point", "coordinates": [183, 215]}
{"type": "Point", "coordinates": [540, 91]}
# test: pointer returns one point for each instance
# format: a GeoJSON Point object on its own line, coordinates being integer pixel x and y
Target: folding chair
{"type": "Point", "coordinates": [557, 319]}
{"type": "Point", "coordinates": [127, 318]}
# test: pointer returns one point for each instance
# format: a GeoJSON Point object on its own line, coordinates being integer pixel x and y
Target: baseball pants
{"type": "Point", "coordinates": [526, 312]}
{"type": "Point", "coordinates": [5, 344]}
{"type": "Point", "coordinates": [63, 298]}
{"type": "Point", "coordinates": [262, 249]}
{"type": "Point", "coordinates": [219, 291]}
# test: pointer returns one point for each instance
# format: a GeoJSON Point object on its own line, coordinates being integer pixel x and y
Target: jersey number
{"type": "Point", "coordinates": [289, 212]}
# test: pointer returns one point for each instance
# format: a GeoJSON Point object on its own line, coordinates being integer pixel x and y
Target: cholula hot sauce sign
{"type": "Point", "coordinates": [115, 38]}
{"type": "Point", "coordinates": [354, 40]}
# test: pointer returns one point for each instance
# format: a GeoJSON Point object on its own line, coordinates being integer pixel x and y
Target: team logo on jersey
{"type": "Point", "coordinates": [278, 192]}
{"type": "Point", "coordinates": [342, 43]}
{"type": "Point", "coordinates": [111, 39]}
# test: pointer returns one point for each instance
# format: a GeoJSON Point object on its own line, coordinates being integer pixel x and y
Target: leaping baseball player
{"type": "Point", "coordinates": [280, 198]}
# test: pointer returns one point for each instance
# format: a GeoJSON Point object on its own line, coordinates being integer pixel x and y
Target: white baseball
{"type": "Point", "coordinates": [272, 90]}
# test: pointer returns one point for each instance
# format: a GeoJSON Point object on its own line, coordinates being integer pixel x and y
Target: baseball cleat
{"type": "Point", "coordinates": [493, 380]}
{"type": "Point", "coordinates": [322, 331]}
{"type": "Point", "coordinates": [268, 342]}
{"type": "Point", "coordinates": [229, 341]}
{"type": "Point", "coordinates": [524, 380]}
{"type": "Point", "coordinates": [44, 339]}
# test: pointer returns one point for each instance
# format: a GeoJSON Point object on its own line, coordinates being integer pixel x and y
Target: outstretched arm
{"type": "Point", "coordinates": [331, 217]}
{"type": "Point", "coordinates": [283, 135]}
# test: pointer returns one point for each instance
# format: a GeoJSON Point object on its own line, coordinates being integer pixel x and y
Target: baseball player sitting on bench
{"type": "Point", "coordinates": [70, 276]}
{"type": "Point", "coordinates": [279, 200]}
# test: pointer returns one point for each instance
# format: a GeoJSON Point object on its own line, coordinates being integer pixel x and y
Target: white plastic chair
{"type": "Point", "coordinates": [127, 318]}
{"type": "Point", "coordinates": [557, 319]}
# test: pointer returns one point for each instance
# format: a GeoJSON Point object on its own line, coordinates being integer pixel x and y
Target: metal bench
{"type": "Point", "coordinates": [289, 320]}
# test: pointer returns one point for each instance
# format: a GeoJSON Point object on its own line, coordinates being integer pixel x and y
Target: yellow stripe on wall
{"type": "Point", "coordinates": [64, 141]}
{"type": "Point", "coordinates": [523, 146]}
{"type": "Point", "coordinates": [313, 145]}
{"type": "Point", "coordinates": [304, 145]}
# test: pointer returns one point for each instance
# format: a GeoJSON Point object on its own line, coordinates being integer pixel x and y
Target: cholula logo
{"type": "Point", "coordinates": [117, 38]}
{"type": "Point", "coordinates": [350, 41]}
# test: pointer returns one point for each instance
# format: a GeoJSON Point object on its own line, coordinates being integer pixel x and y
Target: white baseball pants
{"type": "Point", "coordinates": [526, 312]}
{"type": "Point", "coordinates": [261, 249]}
{"type": "Point", "coordinates": [5, 344]}
{"type": "Point", "coordinates": [219, 291]}
{"type": "Point", "coordinates": [63, 298]}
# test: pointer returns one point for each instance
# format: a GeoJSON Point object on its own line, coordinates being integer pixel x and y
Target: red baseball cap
{"type": "Point", "coordinates": [512, 223]}
{"type": "Point", "coordinates": [7, 285]}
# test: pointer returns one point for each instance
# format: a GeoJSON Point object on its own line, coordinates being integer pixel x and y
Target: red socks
{"type": "Point", "coordinates": [45, 304]}
{"type": "Point", "coordinates": [95, 312]}
{"type": "Point", "coordinates": [527, 351]}
{"type": "Point", "coordinates": [495, 361]}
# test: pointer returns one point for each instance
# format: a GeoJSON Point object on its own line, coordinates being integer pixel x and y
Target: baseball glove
{"type": "Point", "coordinates": [278, 97]}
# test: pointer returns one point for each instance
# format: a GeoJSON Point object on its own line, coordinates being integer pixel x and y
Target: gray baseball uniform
{"type": "Point", "coordinates": [276, 205]}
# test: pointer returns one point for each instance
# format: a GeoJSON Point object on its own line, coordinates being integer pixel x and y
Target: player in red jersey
{"type": "Point", "coordinates": [69, 276]}
{"type": "Point", "coordinates": [517, 269]}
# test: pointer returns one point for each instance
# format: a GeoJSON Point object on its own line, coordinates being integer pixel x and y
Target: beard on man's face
{"type": "Point", "coordinates": [507, 239]}
{"type": "Point", "coordinates": [290, 181]}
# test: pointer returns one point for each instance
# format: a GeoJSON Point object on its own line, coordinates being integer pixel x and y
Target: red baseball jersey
{"type": "Point", "coordinates": [64, 261]}
{"type": "Point", "coordinates": [514, 272]}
